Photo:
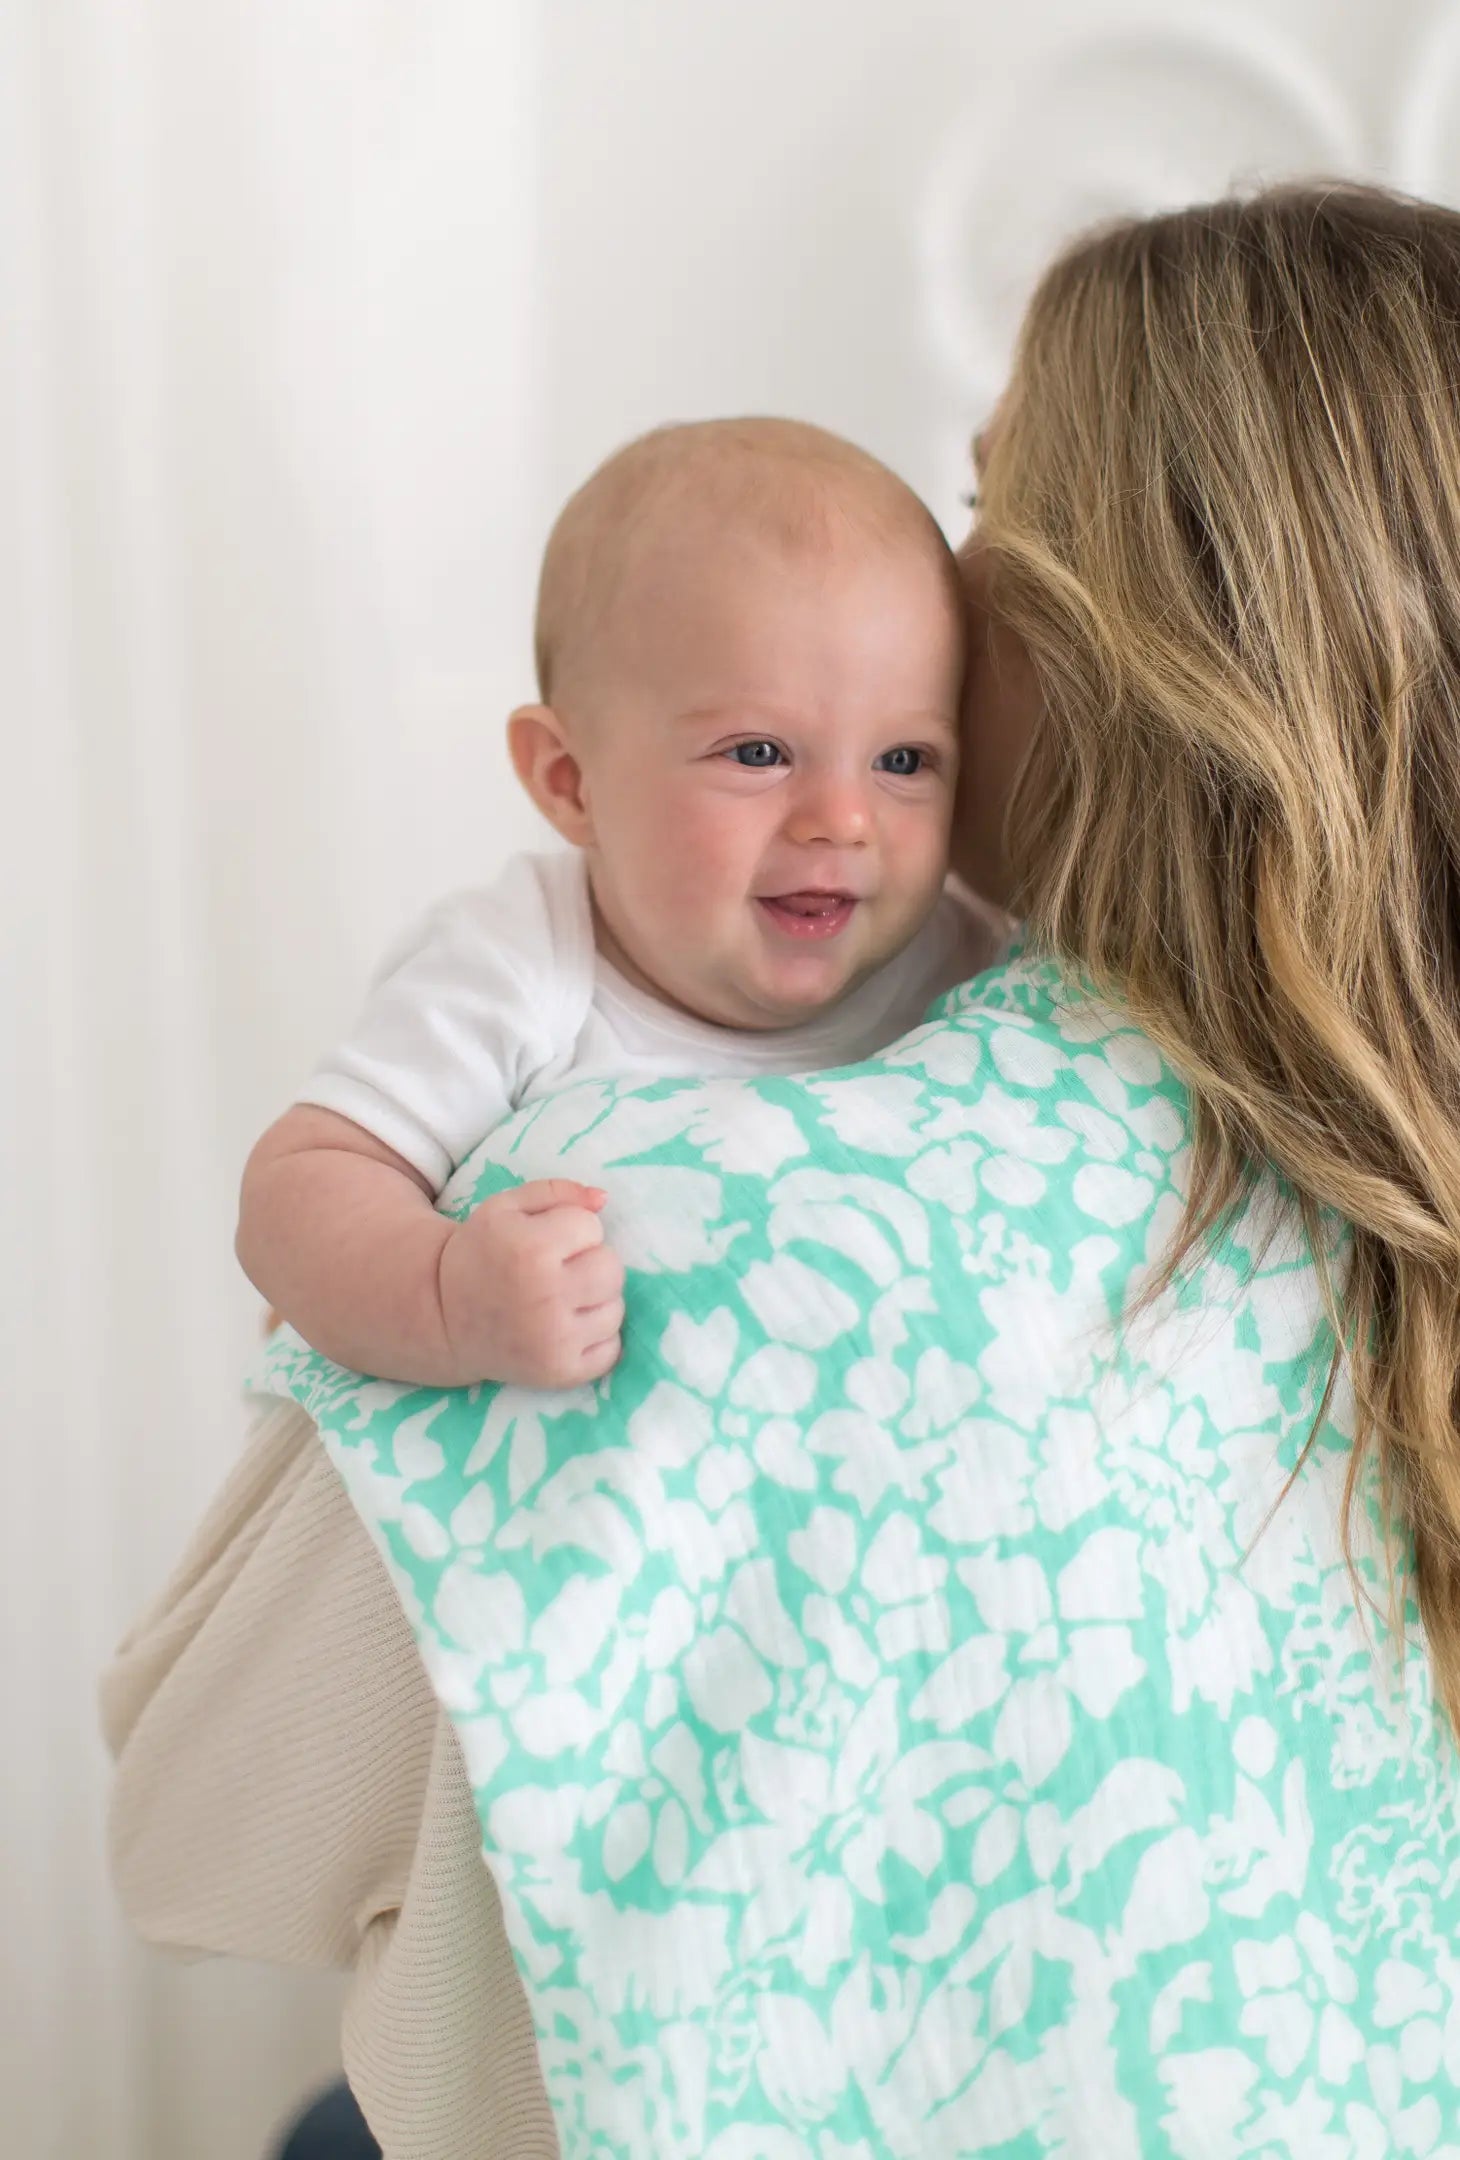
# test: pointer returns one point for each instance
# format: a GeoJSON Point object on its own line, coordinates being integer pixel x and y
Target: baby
{"type": "Point", "coordinates": [749, 653]}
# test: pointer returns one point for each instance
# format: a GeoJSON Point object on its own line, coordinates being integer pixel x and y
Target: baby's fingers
{"type": "Point", "coordinates": [602, 1355]}
{"type": "Point", "coordinates": [594, 1277]}
{"type": "Point", "coordinates": [543, 1194]}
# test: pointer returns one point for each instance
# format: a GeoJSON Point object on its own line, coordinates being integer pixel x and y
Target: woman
{"type": "Point", "coordinates": [1186, 1873]}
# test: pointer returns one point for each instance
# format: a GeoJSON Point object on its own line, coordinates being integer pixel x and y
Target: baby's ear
{"type": "Point", "coordinates": [545, 763]}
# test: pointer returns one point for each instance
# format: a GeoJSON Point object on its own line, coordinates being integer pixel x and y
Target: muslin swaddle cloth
{"type": "Point", "coordinates": [896, 1725]}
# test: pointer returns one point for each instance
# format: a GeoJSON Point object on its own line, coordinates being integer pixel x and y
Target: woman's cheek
{"type": "Point", "coordinates": [1001, 713]}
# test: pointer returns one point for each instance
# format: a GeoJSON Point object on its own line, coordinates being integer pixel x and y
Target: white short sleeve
{"type": "Point", "coordinates": [485, 993]}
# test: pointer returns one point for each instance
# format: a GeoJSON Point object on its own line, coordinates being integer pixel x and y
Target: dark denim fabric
{"type": "Point", "coordinates": [331, 2128]}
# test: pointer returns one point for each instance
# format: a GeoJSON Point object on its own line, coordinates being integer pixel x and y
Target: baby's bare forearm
{"type": "Point", "coordinates": [347, 1247]}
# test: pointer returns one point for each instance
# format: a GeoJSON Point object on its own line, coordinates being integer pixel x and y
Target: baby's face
{"type": "Point", "coordinates": [769, 757]}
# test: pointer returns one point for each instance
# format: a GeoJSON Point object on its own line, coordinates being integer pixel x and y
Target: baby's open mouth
{"type": "Point", "coordinates": [810, 914]}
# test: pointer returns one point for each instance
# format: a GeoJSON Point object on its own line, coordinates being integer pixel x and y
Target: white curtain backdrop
{"type": "Point", "coordinates": [312, 311]}
{"type": "Point", "coordinates": [266, 489]}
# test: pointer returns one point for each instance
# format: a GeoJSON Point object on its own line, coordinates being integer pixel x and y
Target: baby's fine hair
{"type": "Point", "coordinates": [794, 486]}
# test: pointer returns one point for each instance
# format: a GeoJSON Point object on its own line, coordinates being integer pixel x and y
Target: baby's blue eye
{"type": "Point", "coordinates": [757, 755]}
{"type": "Point", "coordinates": [904, 761]}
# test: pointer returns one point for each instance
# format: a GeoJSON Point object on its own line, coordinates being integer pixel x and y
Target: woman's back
{"type": "Point", "coordinates": [910, 1712]}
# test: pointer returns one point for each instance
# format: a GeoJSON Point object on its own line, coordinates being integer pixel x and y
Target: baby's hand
{"type": "Point", "coordinates": [530, 1293]}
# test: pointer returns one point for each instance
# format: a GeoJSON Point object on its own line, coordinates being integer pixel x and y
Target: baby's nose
{"type": "Point", "coordinates": [830, 811]}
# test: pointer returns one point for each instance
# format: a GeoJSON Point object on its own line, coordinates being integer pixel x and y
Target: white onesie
{"type": "Point", "coordinates": [499, 997]}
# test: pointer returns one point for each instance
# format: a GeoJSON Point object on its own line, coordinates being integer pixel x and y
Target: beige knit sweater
{"type": "Point", "coordinates": [288, 1789]}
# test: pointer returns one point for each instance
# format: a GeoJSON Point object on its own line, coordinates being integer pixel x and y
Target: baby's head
{"type": "Point", "coordinates": [750, 651]}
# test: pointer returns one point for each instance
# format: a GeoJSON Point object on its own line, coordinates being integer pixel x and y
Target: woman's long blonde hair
{"type": "Point", "coordinates": [1222, 505]}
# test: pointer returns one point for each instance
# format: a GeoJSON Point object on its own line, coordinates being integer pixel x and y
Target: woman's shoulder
{"type": "Point", "coordinates": [1041, 998]}
{"type": "Point", "coordinates": [1034, 1057]}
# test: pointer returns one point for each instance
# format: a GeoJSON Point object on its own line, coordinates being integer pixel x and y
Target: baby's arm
{"type": "Point", "coordinates": [339, 1233]}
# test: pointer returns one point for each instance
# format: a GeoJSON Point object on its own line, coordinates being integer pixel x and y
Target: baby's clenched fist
{"type": "Point", "coordinates": [530, 1293]}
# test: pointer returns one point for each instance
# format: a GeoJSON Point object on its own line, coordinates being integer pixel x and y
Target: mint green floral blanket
{"type": "Point", "coordinates": [896, 1726]}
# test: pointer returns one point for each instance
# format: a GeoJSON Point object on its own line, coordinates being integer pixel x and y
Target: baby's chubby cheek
{"type": "Point", "coordinates": [681, 886]}
{"type": "Point", "coordinates": [705, 844]}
